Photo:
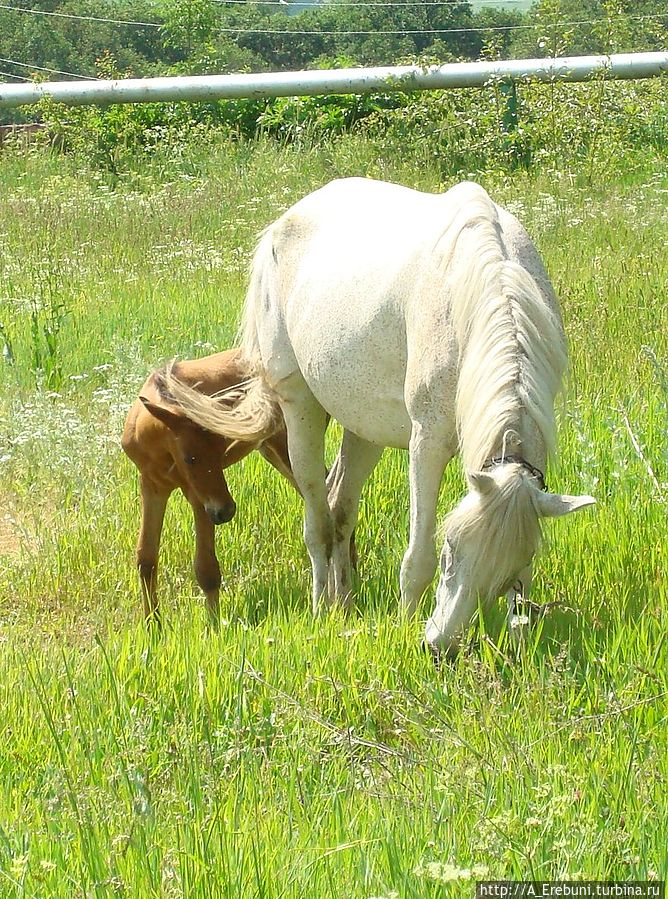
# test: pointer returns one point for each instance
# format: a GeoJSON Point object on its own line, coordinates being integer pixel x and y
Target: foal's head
{"type": "Point", "coordinates": [199, 458]}
{"type": "Point", "coordinates": [491, 538]}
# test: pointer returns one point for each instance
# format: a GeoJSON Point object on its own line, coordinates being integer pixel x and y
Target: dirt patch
{"type": "Point", "coordinates": [11, 539]}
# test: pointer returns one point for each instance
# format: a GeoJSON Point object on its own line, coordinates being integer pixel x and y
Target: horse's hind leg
{"type": "Point", "coordinates": [275, 451]}
{"type": "Point", "coordinates": [354, 463]}
{"type": "Point", "coordinates": [429, 453]}
{"type": "Point", "coordinates": [305, 422]}
{"type": "Point", "coordinates": [207, 569]}
{"type": "Point", "coordinates": [153, 505]}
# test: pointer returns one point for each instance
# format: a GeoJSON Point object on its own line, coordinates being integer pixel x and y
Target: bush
{"type": "Point", "coordinates": [498, 127]}
{"type": "Point", "coordinates": [595, 124]}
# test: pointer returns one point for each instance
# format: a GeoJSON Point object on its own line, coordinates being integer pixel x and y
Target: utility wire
{"type": "Point", "coordinates": [330, 7]}
{"type": "Point", "coordinates": [357, 4]}
{"type": "Point", "coordinates": [346, 5]}
{"type": "Point", "coordinates": [30, 65]}
{"type": "Point", "coordinates": [546, 26]}
{"type": "Point", "coordinates": [64, 15]}
{"type": "Point", "coordinates": [283, 3]}
{"type": "Point", "coordinates": [12, 75]}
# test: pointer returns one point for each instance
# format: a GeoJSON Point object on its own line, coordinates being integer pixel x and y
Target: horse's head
{"type": "Point", "coordinates": [491, 538]}
{"type": "Point", "coordinates": [200, 457]}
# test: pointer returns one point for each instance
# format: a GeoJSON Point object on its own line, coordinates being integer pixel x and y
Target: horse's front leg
{"type": "Point", "coordinates": [305, 421]}
{"type": "Point", "coordinates": [153, 505]}
{"type": "Point", "coordinates": [354, 463]}
{"type": "Point", "coordinates": [207, 569]}
{"type": "Point", "coordinates": [429, 453]}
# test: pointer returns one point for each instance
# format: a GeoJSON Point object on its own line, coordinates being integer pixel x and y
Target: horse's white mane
{"type": "Point", "coordinates": [512, 360]}
{"type": "Point", "coordinates": [512, 347]}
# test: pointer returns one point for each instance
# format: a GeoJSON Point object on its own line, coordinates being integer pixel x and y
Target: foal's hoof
{"type": "Point", "coordinates": [153, 621]}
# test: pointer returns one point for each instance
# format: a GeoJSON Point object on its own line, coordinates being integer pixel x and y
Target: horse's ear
{"type": "Point", "coordinates": [554, 505]}
{"type": "Point", "coordinates": [482, 483]}
{"type": "Point", "coordinates": [173, 420]}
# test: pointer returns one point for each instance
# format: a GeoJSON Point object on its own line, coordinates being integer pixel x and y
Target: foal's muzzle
{"type": "Point", "coordinates": [222, 514]}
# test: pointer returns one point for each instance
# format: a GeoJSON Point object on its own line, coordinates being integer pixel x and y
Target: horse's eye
{"type": "Point", "coordinates": [189, 460]}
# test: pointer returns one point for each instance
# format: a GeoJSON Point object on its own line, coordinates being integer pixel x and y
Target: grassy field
{"type": "Point", "coordinates": [283, 757]}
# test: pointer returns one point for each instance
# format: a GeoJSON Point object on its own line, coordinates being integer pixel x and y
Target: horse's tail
{"type": "Point", "coordinates": [260, 284]}
{"type": "Point", "coordinates": [250, 410]}
{"type": "Point", "coordinates": [512, 346]}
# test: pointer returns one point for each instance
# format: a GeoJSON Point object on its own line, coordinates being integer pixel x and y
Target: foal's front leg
{"type": "Point", "coordinates": [207, 569]}
{"type": "Point", "coordinates": [153, 505]}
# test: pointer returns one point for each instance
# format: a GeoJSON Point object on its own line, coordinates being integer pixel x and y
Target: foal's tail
{"type": "Point", "coordinates": [250, 410]}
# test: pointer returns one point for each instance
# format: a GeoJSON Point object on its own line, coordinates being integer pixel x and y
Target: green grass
{"type": "Point", "coordinates": [285, 757]}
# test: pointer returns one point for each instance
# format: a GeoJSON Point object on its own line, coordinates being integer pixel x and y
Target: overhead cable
{"type": "Point", "coordinates": [337, 6]}
{"type": "Point", "coordinates": [65, 15]}
{"type": "Point", "coordinates": [31, 65]}
{"type": "Point", "coordinates": [546, 26]}
{"type": "Point", "coordinates": [12, 75]}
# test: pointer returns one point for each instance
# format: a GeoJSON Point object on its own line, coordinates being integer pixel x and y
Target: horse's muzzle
{"type": "Point", "coordinates": [222, 514]}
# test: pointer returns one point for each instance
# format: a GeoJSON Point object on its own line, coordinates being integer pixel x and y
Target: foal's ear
{"type": "Point", "coordinates": [482, 483]}
{"type": "Point", "coordinates": [173, 420]}
{"type": "Point", "coordinates": [554, 505]}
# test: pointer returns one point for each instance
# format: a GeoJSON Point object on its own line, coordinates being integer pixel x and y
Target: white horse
{"type": "Point", "coordinates": [421, 321]}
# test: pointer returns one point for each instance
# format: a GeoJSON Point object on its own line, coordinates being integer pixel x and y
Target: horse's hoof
{"type": "Point", "coordinates": [436, 655]}
{"type": "Point", "coordinates": [440, 656]}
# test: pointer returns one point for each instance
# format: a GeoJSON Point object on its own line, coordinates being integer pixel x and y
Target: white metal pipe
{"type": "Point", "coordinates": [334, 81]}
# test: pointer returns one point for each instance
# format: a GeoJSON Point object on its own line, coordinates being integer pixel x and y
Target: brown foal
{"type": "Point", "coordinates": [172, 452]}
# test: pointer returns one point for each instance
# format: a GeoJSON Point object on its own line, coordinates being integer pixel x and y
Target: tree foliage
{"type": "Point", "coordinates": [219, 36]}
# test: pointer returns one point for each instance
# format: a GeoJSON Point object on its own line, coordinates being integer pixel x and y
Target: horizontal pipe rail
{"type": "Point", "coordinates": [334, 81]}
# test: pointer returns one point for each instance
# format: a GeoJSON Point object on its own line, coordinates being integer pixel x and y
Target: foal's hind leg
{"type": "Point", "coordinates": [153, 505]}
{"type": "Point", "coordinates": [354, 463]}
{"type": "Point", "coordinates": [429, 453]}
{"type": "Point", "coordinates": [305, 422]}
{"type": "Point", "coordinates": [275, 451]}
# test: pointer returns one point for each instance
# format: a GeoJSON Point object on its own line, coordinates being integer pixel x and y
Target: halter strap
{"type": "Point", "coordinates": [518, 460]}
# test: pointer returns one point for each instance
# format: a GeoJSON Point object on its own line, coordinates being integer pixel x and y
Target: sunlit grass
{"type": "Point", "coordinates": [284, 756]}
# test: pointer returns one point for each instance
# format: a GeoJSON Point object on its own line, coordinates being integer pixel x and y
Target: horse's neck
{"type": "Point", "coordinates": [521, 439]}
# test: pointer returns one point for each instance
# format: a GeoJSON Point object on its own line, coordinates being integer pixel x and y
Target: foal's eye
{"type": "Point", "coordinates": [189, 460]}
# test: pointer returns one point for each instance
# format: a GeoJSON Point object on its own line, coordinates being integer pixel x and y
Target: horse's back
{"type": "Point", "coordinates": [357, 252]}
{"type": "Point", "coordinates": [355, 297]}
{"type": "Point", "coordinates": [347, 260]}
